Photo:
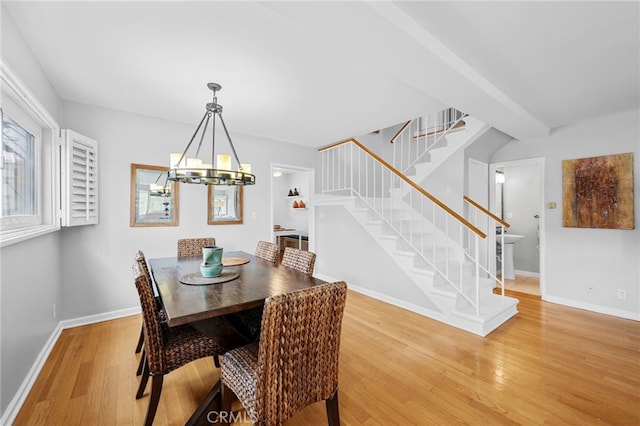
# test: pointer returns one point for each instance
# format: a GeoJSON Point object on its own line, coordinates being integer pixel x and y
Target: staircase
{"type": "Point", "coordinates": [425, 143]}
{"type": "Point", "coordinates": [438, 250]}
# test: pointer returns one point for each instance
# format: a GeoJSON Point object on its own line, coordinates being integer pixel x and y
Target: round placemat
{"type": "Point", "coordinates": [232, 261]}
{"type": "Point", "coordinates": [196, 278]}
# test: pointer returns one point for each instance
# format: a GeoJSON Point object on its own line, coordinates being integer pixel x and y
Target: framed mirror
{"type": "Point", "coordinates": [154, 200]}
{"type": "Point", "coordinates": [224, 205]}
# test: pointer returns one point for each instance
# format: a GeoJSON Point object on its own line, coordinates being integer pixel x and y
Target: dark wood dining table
{"type": "Point", "coordinates": [258, 279]}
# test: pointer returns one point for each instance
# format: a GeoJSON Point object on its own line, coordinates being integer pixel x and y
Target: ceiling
{"type": "Point", "coordinates": [313, 73]}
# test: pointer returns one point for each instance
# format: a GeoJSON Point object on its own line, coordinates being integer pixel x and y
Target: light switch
{"type": "Point", "coordinates": [509, 215]}
{"type": "Point", "coordinates": [551, 205]}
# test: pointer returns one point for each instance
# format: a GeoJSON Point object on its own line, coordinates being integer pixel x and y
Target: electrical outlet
{"type": "Point", "coordinates": [622, 294]}
{"type": "Point", "coordinates": [53, 311]}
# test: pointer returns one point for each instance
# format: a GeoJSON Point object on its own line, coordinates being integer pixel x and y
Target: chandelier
{"type": "Point", "coordinates": [188, 169]}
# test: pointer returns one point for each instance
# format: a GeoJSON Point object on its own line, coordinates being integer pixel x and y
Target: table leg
{"type": "Point", "coordinates": [207, 412]}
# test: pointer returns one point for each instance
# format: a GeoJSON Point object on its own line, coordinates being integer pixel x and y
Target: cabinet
{"type": "Point", "coordinates": [294, 241]}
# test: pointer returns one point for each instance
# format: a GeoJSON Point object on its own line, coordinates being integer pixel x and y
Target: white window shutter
{"type": "Point", "coordinates": [80, 180]}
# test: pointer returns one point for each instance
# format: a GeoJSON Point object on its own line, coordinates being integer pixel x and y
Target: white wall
{"type": "Point", "coordinates": [98, 259]}
{"type": "Point", "coordinates": [585, 267]}
{"type": "Point", "coordinates": [30, 277]}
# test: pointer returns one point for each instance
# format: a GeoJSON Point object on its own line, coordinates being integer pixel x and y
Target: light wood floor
{"type": "Point", "coordinates": [524, 284]}
{"type": "Point", "coordinates": [549, 365]}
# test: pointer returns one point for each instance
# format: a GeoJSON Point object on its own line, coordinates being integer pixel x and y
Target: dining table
{"type": "Point", "coordinates": [245, 283]}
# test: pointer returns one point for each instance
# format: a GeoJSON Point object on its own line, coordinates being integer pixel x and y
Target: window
{"type": "Point", "coordinates": [48, 176]}
{"type": "Point", "coordinates": [29, 169]}
{"type": "Point", "coordinates": [19, 165]}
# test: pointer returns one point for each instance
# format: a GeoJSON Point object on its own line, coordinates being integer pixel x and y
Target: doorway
{"type": "Point", "coordinates": [292, 198]}
{"type": "Point", "coordinates": [517, 197]}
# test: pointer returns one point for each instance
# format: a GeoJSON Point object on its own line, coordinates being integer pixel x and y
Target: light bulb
{"type": "Point", "coordinates": [224, 162]}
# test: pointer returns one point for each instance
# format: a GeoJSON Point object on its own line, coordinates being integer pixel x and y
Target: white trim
{"type": "Point", "coordinates": [429, 313]}
{"type": "Point", "coordinates": [16, 403]}
{"type": "Point", "coordinates": [593, 308]}
{"type": "Point", "coordinates": [19, 235]}
{"type": "Point", "coordinates": [527, 273]}
{"type": "Point", "coordinates": [21, 91]}
{"type": "Point", "coordinates": [540, 161]}
{"type": "Point", "coordinates": [311, 182]}
{"type": "Point", "coordinates": [92, 319]}
{"type": "Point", "coordinates": [18, 92]}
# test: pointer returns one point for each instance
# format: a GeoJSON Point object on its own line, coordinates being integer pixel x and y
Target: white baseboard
{"type": "Point", "coordinates": [560, 301]}
{"type": "Point", "coordinates": [593, 308]}
{"type": "Point", "coordinates": [391, 300]}
{"type": "Point", "coordinates": [15, 405]}
{"type": "Point", "coordinates": [92, 319]}
{"type": "Point", "coordinates": [527, 273]}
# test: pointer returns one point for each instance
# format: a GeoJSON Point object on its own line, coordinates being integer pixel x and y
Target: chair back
{"type": "Point", "coordinates": [153, 337]}
{"type": "Point", "coordinates": [298, 351]}
{"type": "Point", "coordinates": [267, 251]}
{"type": "Point", "coordinates": [300, 260]}
{"type": "Point", "coordinates": [141, 260]}
{"type": "Point", "coordinates": [193, 246]}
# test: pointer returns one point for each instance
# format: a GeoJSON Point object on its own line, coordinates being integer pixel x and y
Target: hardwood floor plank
{"type": "Point", "coordinates": [550, 364]}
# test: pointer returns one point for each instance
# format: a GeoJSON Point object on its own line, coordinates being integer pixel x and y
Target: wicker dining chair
{"type": "Point", "coordinates": [295, 363]}
{"type": "Point", "coordinates": [168, 348]}
{"type": "Point", "coordinates": [300, 260]}
{"type": "Point", "coordinates": [142, 264]}
{"type": "Point", "coordinates": [267, 251]}
{"type": "Point", "coordinates": [193, 246]}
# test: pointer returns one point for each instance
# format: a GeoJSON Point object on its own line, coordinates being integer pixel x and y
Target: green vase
{"type": "Point", "coordinates": [211, 265]}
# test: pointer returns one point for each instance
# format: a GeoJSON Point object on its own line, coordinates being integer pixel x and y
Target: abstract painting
{"type": "Point", "coordinates": [597, 192]}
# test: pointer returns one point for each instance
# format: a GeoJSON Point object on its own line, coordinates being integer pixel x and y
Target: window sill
{"type": "Point", "coordinates": [10, 237]}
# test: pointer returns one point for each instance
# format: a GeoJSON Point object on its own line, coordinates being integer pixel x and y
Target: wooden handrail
{"type": "Point", "coordinates": [485, 211]}
{"type": "Point", "coordinates": [411, 183]}
{"type": "Point", "coordinates": [435, 132]}
{"type": "Point", "coordinates": [404, 126]}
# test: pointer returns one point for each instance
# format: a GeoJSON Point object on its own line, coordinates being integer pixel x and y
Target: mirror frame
{"type": "Point", "coordinates": [211, 219]}
{"type": "Point", "coordinates": [135, 194]}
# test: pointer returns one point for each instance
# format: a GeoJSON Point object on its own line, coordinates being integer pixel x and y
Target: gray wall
{"type": "Point", "coordinates": [30, 277]}
{"type": "Point", "coordinates": [585, 267]}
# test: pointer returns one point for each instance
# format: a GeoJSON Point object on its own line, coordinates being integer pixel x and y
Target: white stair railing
{"type": "Point", "coordinates": [488, 222]}
{"type": "Point", "coordinates": [423, 224]}
{"type": "Point", "coordinates": [417, 137]}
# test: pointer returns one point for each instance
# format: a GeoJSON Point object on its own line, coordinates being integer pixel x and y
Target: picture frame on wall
{"type": "Point", "coordinates": [597, 192]}
{"type": "Point", "coordinates": [154, 199]}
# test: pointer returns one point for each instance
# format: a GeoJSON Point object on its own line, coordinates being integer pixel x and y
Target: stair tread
{"type": "Point", "coordinates": [490, 306]}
